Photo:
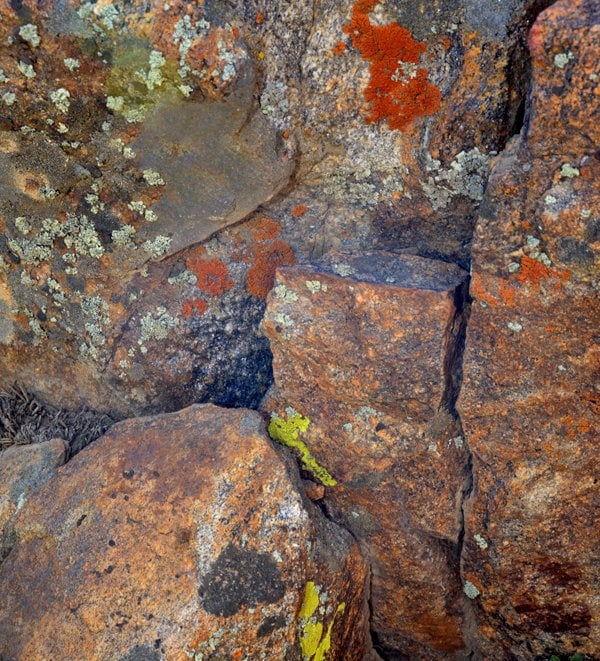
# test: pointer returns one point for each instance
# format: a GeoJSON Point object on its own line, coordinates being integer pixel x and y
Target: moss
{"type": "Point", "coordinates": [313, 643]}
{"type": "Point", "coordinates": [287, 433]}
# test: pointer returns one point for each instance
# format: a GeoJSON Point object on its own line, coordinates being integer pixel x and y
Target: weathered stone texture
{"type": "Point", "coordinates": [130, 131]}
{"type": "Point", "coordinates": [359, 366]}
{"type": "Point", "coordinates": [24, 469]}
{"type": "Point", "coordinates": [177, 533]}
{"type": "Point", "coordinates": [530, 402]}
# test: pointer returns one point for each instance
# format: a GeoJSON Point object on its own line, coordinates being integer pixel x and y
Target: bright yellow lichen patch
{"type": "Point", "coordinates": [286, 432]}
{"type": "Point", "coordinates": [313, 643]}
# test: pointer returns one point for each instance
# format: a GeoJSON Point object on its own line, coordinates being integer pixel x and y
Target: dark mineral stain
{"type": "Point", "coordinates": [240, 577]}
{"type": "Point", "coordinates": [270, 624]}
{"type": "Point", "coordinates": [142, 653]}
{"type": "Point", "coordinates": [572, 251]}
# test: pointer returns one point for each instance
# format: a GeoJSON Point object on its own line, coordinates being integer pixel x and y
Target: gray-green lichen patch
{"type": "Point", "coordinates": [562, 59]}
{"type": "Point", "coordinates": [29, 33]}
{"type": "Point", "coordinates": [157, 326]}
{"type": "Point", "coordinates": [466, 176]}
{"type": "Point", "coordinates": [470, 590]}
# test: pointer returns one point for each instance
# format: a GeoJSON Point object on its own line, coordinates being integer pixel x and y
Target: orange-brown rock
{"type": "Point", "coordinates": [363, 378]}
{"type": "Point", "coordinates": [24, 469]}
{"type": "Point", "coordinates": [180, 535]}
{"type": "Point", "coordinates": [529, 402]}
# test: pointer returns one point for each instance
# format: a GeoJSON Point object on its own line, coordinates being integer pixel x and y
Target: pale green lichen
{"type": "Point", "coordinates": [569, 171]}
{"type": "Point", "coordinates": [515, 326]}
{"type": "Point", "coordinates": [60, 98]}
{"type": "Point", "coordinates": [287, 433]}
{"type": "Point", "coordinates": [29, 33]}
{"type": "Point", "coordinates": [342, 269]}
{"type": "Point", "coordinates": [9, 98]}
{"type": "Point", "coordinates": [154, 76]}
{"type": "Point", "coordinates": [186, 277]}
{"type": "Point", "coordinates": [282, 293]}
{"type": "Point", "coordinates": [158, 246]}
{"type": "Point", "coordinates": [480, 541]}
{"type": "Point", "coordinates": [115, 103]}
{"type": "Point", "coordinates": [152, 178]}
{"type": "Point", "coordinates": [466, 176]}
{"type": "Point", "coordinates": [23, 225]}
{"type": "Point", "coordinates": [314, 641]}
{"type": "Point", "coordinates": [137, 205]}
{"type": "Point", "coordinates": [315, 286]}
{"type": "Point", "coordinates": [3, 77]}
{"type": "Point", "coordinates": [71, 63]}
{"type": "Point", "coordinates": [26, 69]}
{"type": "Point", "coordinates": [157, 327]}
{"type": "Point", "coordinates": [109, 15]}
{"type": "Point", "coordinates": [562, 59]}
{"type": "Point", "coordinates": [123, 236]}
{"type": "Point", "coordinates": [550, 199]}
{"type": "Point", "coordinates": [471, 590]}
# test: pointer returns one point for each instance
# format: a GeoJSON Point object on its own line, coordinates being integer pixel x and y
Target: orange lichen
{"type": "Point", "coordinates": [236, 32]}
{"type": "Point", "coordinates": [507, 294]}
{"type": "Point", "coordinates": [195, 305]}
{"type": "Point", "coordinates": [265, 229]}
{"type": "Point", "coordinates": [398, 91]}
{"type": "Point", "coordinates": [299, 210]}
{"type": "Point", "coordinates": [261, 274]}
{"type": "Point", "coordinates": [533, 272]}
{"type": "Point", "coordinates": [212, 274]}
{"type": "Point", "coordinates": [260, 17]}
{"type": "Point", "coordinates": [339, 48]}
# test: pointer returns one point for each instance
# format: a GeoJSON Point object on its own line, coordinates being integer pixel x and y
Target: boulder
{"type": "Point", "coordinates": [179, 536]}
{"type": "Point", "coordinates": [529, 402]}
{"type": "Point", "coordinates": [364, 395]}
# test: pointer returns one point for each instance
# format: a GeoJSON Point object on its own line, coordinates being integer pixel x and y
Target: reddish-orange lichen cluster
{"type": "Point", "coordinates": [269, 252]}
{"type": "Point", "coordinates": [398, 91]}
{"type": "Point", "coordinates": [339, 48]}
{"type": "Point", "coordinates": [299, 210]}
{"type": "Point", "coordinates": [533, 272]}
{"type": "Point", "coordinates": [212, 274]}
{"type": "Point", "coordinates": [194, 306]}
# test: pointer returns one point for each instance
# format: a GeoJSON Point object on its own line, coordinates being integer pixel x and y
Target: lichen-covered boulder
{"type": "Point", "coordinates": [364, 397]}
{"type": "Point", "coordinates": [128, 132]}
{"type": "Point", "coordinates": [179, 536]}
{"type": "Point", "coordinates": [131, 132]}
{"type": "Point", "coordinates": [530, 401]}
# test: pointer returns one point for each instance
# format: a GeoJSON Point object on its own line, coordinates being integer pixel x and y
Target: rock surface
{"type": "Point", "coordinates": [176, 535]}
{"type": "Point", "coordinates": [131, 131]}
{"type": "Point", "coordinates": [24, 469]}
{"type": "Point", "coordinates": [362, 379]}
{"type": "Point", "coordinates": [530, 401]}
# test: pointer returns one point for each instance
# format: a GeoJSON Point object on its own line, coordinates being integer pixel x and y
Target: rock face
{"type": "Point", "coordinates": [181, 535]}
{"type": "Point", "coordinates": [24, 469]}
{"type": "Point", "coordinates": [133, 131]}
{"type": "Point", "coordinates": [530, 402]}
{"type": "Point", "coordinates": [365, 392]}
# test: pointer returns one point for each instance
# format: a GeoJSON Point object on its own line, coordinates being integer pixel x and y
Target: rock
{"type": "Point", "coordinates": [132, 131]}
{"type": "Point", "coordinates": [182, 534]}
{"type": "Point", "coordinates": [24, 469]}
{"type": "Point", "coordinates": [529, 402]}
{"type": "Point", "coordinates": [129, 133]}
{"type": "Point", "coordinates": [364, 395]}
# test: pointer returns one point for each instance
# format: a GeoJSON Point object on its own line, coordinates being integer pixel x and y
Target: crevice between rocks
{"type": "Point", "coordinates": [453, 376]}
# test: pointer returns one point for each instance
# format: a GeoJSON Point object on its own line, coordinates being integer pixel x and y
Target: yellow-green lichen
{"type": "Point", "coordinates": [287, 433]}
{"type": "Point", "coordinates": [313, 642]}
